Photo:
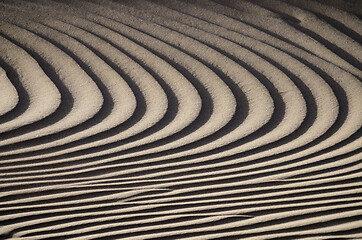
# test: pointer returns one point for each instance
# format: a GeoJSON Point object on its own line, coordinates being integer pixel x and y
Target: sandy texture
{"type": "Point", "coordinates": [180, 119]}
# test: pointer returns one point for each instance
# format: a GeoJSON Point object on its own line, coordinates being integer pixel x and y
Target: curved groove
{"type": "Point", "coordinates": [104, 112]}
{"type": "Point", "coordinates": [9, 96]}
{"type": "Point", "coordinates": [329, 43]}
{"type": "Point", "coordinates": [203, 114]}
{"type": "Point", "coordinates": [32, 95]}
{"type": "Point", "coordinates": [23, 101]}
{"type": "Point", "coordinates": [68, 103]}
{"type": "Point", "coordinates": [178, 119]}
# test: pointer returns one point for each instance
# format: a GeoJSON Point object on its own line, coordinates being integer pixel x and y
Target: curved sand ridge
{"type": "Point", "coordinates": [172, 119]}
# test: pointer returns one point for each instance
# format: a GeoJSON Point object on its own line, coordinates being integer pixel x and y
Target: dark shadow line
{"type": "Point", "coordinates": [259, 29]}
{"type": "Point", "coordinates": [342, 100]}
{"type": "Point", "coordinates": [250, 175]}
{"type": "Point", "coordinates": [327, 170]}
{"type": "Point", "coordinates": [334, 48]}
{"type": "Point", "coordinates": [312, 226]}
{"type": "Point", "coordinates": [277, 36]}
{"type": "Point", "coordinates": [184, 71]}
{"type": "Point", "coordinates": [63, 109]}
{"type": "Point", "coordinates": [331, 46]}
{"type": "Point", "coordinates": [350, 6]}
{"type": "Point", "coordinates": [231, 220]}
{"type": "Point", "coordinates": [207, 105]}
{"type": "Point", "coordinates": [24, 100]}
{"type": "Point", "coordinates": [34, 207]}
{"type": "Point", "coordinates": [235, 198]}
{"type": "Point", "coordinates": [337, 89]}
{"type": "Point", "coordinates": [305, 90]}
{"type": "Point", "coordinates": [169, 116]}
{"type": "Point", "coordinates": [337, 25]}
{"type": "Point", "coordinates": [149, 183]}
{"type": "Point", "coordinates": [343, 103]}
{"type": "Point", "coordinates": [253, 212]}
{"type": "Point", "coordinates": [204, 115]}
{"type": "Point", "coordinates": [161, 230]}
{"type": "Point", "coordinates": [107, 222]}
{"type": "Point", "coordinates": [104, 209]}
{"type": "Point", "coordinates": [196, 195]}
{"type": "Point", "coordinates": [169, 207]}
{"type": "Point", "coordinates": [173, 104]}
{"type": "Point", "coordinates": [137, 115]}
{"type": "Point", "coordinates": [239, 116]}
{"type": "Point", "coordinates": [241, 179]}
{"type": "Point", "coordinates": [104, 112]}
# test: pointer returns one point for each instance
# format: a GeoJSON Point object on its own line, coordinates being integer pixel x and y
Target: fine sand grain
{"type": "Point", "coordinates": [179, 119]}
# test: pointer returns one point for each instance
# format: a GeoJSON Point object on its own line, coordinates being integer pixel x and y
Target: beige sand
{"type": "Point", "coordinates": [179, 119]}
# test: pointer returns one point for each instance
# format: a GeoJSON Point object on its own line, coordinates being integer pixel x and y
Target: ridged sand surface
{"type": "Point", "coordinates": [180, 119]}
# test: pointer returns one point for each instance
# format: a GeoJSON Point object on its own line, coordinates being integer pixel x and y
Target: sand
{"type": "Point", "coordinates": [179, 119]}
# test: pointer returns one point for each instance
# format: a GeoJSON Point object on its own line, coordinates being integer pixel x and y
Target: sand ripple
{"type": "Point", "coordinates": [175, 119]}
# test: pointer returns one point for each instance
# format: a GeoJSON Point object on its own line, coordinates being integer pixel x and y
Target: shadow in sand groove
{"type": "Point", "coordinates": [205, 157]}
{"type": "Point", "coordinates": [99, 117]}
{"type": "Point", "coordinates": [24, 101]}
{"type": "Point", "coordinates": [66, 98]}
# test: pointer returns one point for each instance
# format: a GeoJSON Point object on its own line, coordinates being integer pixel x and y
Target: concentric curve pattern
{"type": "Point", "coordinates": [177, 119]}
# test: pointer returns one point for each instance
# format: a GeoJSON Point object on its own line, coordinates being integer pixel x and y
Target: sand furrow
{"type": "Point", "coordinates": [255, 212]}
{"type": "Point", "coordinates": [302, 139]}
{"type": "Point", "coordinates": [75, 108]}
{"type": "Point", "coordinates": [343, 96]}
{"type": "Point", "coordinates": [179, 89]}
{"type": "Point", "coordinates": [206, 111]}
{"type": "Point", "coordinates": [311, 25]}
{"type": "Point", "coordinates": [214, 87]}
{"type": "Point", "coordinates": [340, 20]}
{"type": "Point", "coordinates": [256, 226]}
{"type": "Point", "coordinates": [37, 100]}
{"type": "Point", "coordinates": [178, 119]}
{"type": "Point", "coordinates": [277, 26]}
{"type": "Point", "coordinates": [118, 105]}
{"type": "Point", "coordinates": [9, 97]}
{"type": "Point", "coordinates": [183, 101]}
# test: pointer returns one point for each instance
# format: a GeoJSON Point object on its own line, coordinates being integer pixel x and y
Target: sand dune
{"type": "Point", "coordinates": [177, 119]}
